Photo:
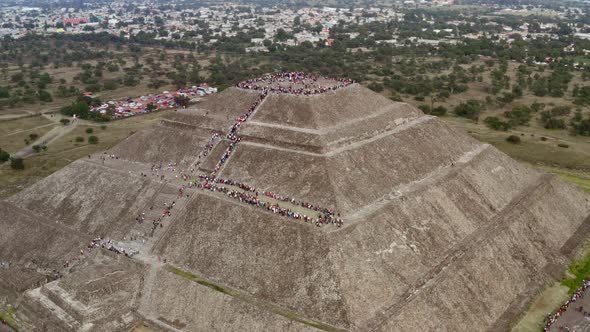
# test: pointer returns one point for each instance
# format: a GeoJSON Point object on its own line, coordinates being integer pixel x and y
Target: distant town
{"type": "Point", "coordinates": [263, 26]}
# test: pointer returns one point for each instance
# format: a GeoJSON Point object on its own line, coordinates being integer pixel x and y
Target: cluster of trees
{"type": "Point", "coordinates": [15, 163]}
{"type": "Point", "coordinates": [469, 109]}
{"type": "Point", "coordinates": [81, 108]}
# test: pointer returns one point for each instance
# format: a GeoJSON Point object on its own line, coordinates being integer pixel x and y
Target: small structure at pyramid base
{"type": "Point", "coordinates": [290, 202]}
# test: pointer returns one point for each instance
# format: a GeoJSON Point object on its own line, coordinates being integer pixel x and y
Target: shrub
{"type": "Point", "coordinates": [439, 111]}
{"type": "Point", "coordinates": [469, 109]}
{"type": "Point", "coordinates": [563, 145]}
{"type": "Point", "coordinates": [45, 96]}
{"type": "Point", "coordinates": [495, 123]}
{"type": "Point", "coordinates": [513, 139]}
{"type": "Point", "coordinates": [79, 139]}
{"type": "Point", "coordinates": [89, 130]}
{"type": "Point", "coordinates": [425, 109]}
{"type": "Point", "coordinates": [36, 147]}
{"type": "Point", "coordinates": [93, 140]}
{"type": "Point", "coordinates": [103, 127]}
{"type": "Point", "coordinates": [396, 97]}
{"type": "Point", "coordinates": [543, 138]}
{"type": "Point", "coordinates": [33, 136]}
{"type": "Point", "coordinates": [17, 163]}
{"type": "Point", "coordinates": [4, 156]}
{"type": "Point", "coordinates": [519, 115]}
{"type": "Point", "coordinates": [377, 87]}
{"type": "Point", "coordinates": [65, 122]}
{"type": "Point", "coordinates": [561, 110]}
{"type": "Point", "coordinates": [554, 123]}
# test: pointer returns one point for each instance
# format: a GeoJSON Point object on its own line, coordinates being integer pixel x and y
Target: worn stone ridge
{"type": "Point", "coordinates": [330, 139]}
{"type": "Point", "coordinates": [355, 174]}
{"type": "Point", "coordinates": [101, 294]}
{"type": "Point", "coordinates": [322, 111]}
{"type": "Point", "coordinates": [217, 110]}
{"type": "Point", "coordinates": [212, 310]}
{"type": "Point", "coordinates": [28, 238]}
{"type": "Point", "coordinates": [89, 198]}
{"type": "Point", "coordinates": [163, 143]}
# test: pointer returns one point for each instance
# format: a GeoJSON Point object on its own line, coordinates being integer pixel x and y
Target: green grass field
{"type": "Point", "coordinates": [65, 150]}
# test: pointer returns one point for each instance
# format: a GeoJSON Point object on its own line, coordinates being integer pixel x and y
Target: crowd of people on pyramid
{"type": "Point", "coordinates": [245, 197]}
{"type": "Point", "coordinates": [325, 216]}
{"type": "Point", "coordinates": [272, 195]}
{"type": "Point", "coordinates": [103, 243]}
{"type": "Point", "coordinates": [223, 159]}
{"type": "Point", "coordinates": [209, 146]}
{"type": "Point", "coordinates": [272, 83]}
{"type": "Point", "coordinates": [578, 294]}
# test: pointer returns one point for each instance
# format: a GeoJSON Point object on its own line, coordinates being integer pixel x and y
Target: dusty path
{"type": "Point", "coordinates": [30, 129]}
{"type": "Point", "coordinates": [46, 140]}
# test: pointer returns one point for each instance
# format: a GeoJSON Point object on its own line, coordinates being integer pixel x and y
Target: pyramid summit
{"type": "Point", "coordinates": [289, 202]}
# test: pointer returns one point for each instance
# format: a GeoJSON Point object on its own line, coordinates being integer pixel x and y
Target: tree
{"type": "Point", "coordinates": [181, 100]}
{"type": "Point", "coordinates": [583, 96]}
{"type": "Point", "coordinates": [93, 140]}
{"type": "Point", "coordinates": [495, 123]}
{"type": "Point", "coordinates": [17, 163]}
{"type": "Point", "coordinates": [45, 96]}
{"type": "Point", "coordinates": [110, 85]}
{"type": "Point", "coordinates": [519, 115]}
{"type": "Point", "coordinates": [469, 109]}
{"type": "Point", "coordinates": [513, 139]}
{"type": "Point", "coordinates": [439, 111]}
{"type": "Point", "coordinates": [4, 156]}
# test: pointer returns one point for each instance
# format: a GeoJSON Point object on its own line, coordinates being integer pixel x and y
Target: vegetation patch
{"type": "Point", "coordinates": [198, 280]}
{"type": "Point", "coordinates": [7, 315]}
{"type": "Point", "coordinates": [580, 182]}
{"type": "Point", "coordinates": [249, 299]}
{"type": "Point", "coordinates": [579, 270]}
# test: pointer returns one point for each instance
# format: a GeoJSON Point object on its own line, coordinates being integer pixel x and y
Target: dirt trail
{"type": "Point", "coordinates": [30, 129]}
{"type": "Point", "coordinates": [48, 137]}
